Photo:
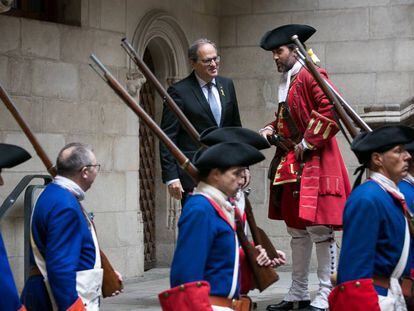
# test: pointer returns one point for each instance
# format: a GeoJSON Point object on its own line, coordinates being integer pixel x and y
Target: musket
{"type": "Point", "coordinates": [264, 276]}
{"type": "Point", "coordinates": [4, 96]}
{"type": "Point", "coordinates": [342, 114]}
{"type": "Point", "coordinates": [260, 237]}
{"type": "Point", "coordinates": [111, 282]}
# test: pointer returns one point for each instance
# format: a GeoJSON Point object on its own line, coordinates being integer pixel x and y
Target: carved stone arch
{"type": "Point", "coordinates": [162, 35]}
{"type": "Point", "coordinates": [162, 45]}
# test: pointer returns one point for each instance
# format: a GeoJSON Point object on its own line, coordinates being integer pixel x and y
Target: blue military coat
{"type": "Point", "coordinates": [207, 248]}
{"type": "Point", "coordinates": [62, 235]}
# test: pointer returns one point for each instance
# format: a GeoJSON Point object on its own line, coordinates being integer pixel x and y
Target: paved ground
{"type": "Point", "coordinates": [141, 293]}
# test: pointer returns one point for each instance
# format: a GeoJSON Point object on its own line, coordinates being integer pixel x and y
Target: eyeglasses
{"type": "Point", "coordinates": [208, 61]}
{"type": "Point", "coordinates": [98, 166]}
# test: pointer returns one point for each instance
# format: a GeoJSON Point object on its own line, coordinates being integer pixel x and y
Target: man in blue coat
{"type": "Point", "coordinates": [10, 156]}
{"type": "Point", "coordinates": [407, 184]}
{"type": "Point", "coordinates": [207, 247]}
{"type": "Point", "coordinates": [66, 271]}
{"type": "Point", "coordinates": [375, 251]}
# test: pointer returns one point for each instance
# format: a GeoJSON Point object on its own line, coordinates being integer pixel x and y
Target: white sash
{"type": "Point", "coordinates": [88, 282]}
{"type": "Point", "coordinates": [394, 301]}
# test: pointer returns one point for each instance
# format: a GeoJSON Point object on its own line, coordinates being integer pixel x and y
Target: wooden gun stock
{"type": "Point", "coordinates": [263, 276]}
{"type": "Point", "coordinates": [259, 236]}
{"type": "Point", "coordinates": [111, 282]}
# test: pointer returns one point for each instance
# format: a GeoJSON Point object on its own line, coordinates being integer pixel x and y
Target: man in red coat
{"type": "Point", "coordinates": [309, 181]}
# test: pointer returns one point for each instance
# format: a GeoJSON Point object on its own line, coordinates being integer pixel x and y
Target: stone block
{"type": "Point", "coordinates": [400, 2]}
{"type": "Point", "coordinates": [392, 22]}
{"type": "Point", "coordinates": [77, 44]}
{"type": "Point", "coordinates": [266, 6]}
{"type": "Point", "coordinates": [92, 88]}
{"type": "Point", "coordinates": [107, 47]}
{"type": "Point", "coordinates": [8, 233]}
{"type": "Point", "coordinates": [20, 70]}
{"type": "Point", "coordinates": [30, 110]}
{"type": "Point", "coordinates": [40, 39]}
{"type": "Point", "coordinates": [336, 25]}
{"type": "Point", "coordinates": [228, 31]}
{"type": "Point", "coordinates": [251, 28]}
{"type": "Point", "coordinates": [84, 13]}
{"type": "Point", "coordinates": [4, 73]}
{"type": "Point", "coordinates": [247, 92]}
{"type": "Point", "coordinates": [17, 267]}
{"type": "Point", "coordinates": [58, 80]}
{"type": "Point", "coordinates": [126, 153]}
{"type": "Point", "coordinates": [392, 88]}
{"type": "Point", "coordinates": [113, 15]}
{"type": "Point", "coordinates": [132, 191]}
{"type": "Point", "coordinates": [69, 117]}
{"type": "Point", "coordinates": [235, 7]}
{"type": "Point", "coordinates": [373, 56]}
{"type": "Point", "coordinates": [134, 265]}
{"type": "Point", "coordinates": [112, 117]}
{"type": "Point", "coordinates": [106, 228]}
{"type": "Point", "coordinates": [403, 55]}
{"type": "Point", "coordinates": [258, 185]}
{"type": "Point", "coordinates": [10, 33]}
{"type": "Point", "coordinates": [51, 143]}
{"type": "Point", "coordinates": [335, 4]}
{"type": "Point", "coordinates": [165, 253]}
{"type": "Point", "coordinates": [357, 89]}
{"type": "Point", "coordinates": [204, 26]}
{"type": "Point", "coordinates": [107, 193]}
{"type": "Point", "coordinates": [255, 62]}
{"type": "Point", "coordinates": [127, 226]}
{"type": "Point", "coordinates": [102, 146]}
{"type": "Point", "coordinates": [132, 123]}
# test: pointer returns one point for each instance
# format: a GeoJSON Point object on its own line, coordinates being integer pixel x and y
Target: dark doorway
{"type": "Point", "coordinates": [147, 170]}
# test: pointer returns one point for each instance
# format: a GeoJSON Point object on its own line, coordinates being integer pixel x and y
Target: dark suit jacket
{"type": "Point", "coordinates": [189, 97]}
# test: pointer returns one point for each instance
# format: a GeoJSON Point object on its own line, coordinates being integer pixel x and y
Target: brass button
{"type": "Point", "coordinates": [166, 295]}
{"type": "Point", "coordinates": [182, 287]}
{"type": "Point", "coordinates": [342, 288]}
{"type": "Point", "coordinates": [198, 284]}
{"type": "Point", "coordinates": [358, 284]}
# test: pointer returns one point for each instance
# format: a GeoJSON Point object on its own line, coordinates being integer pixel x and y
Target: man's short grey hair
{"type": "Point", "coordinates": [79, 156]}
{"type": "Point", "coordinates": [193, 50]}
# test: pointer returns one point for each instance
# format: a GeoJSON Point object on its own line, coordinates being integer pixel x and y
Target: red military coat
{"type": "Point", "coordinates": [324, 185]}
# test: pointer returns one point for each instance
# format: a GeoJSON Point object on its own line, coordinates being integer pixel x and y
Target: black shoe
{"type": "Point", "coordinates": [312, 308]}
{"type": "Point", "coordinates": [288, 305]}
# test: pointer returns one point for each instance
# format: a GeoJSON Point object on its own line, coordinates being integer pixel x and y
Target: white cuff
{"type": "Point", "coordinates": [169, 182]}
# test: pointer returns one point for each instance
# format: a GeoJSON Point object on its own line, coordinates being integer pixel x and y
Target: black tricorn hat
{"type": "Point", "coordinates": [227, 154]}
{"type": "Point", "coordinates": [11, 155]}
{"type": "Point", "coordinates": [283, 35]}
{"type": "Point", "coordinates": [214, 135]}
{"type": "Point", "coordinates": [380, 140]}
{"type": "Point", "coordinates": [410, 147]}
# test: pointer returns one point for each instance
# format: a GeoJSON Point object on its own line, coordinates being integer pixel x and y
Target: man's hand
{"type": "Point", "coordinates": [299, 151]}
{"type": "Point", "coordinates": [247, 178]}
{"type": "Point", "coordinates": [277, 262]}
{"type": "Point", "coordinates": [267, 131]}
{"type": "Point", "coordinates": [262, 259]}
{"type": "Point", "coordinates": [176, 190]}
{"type": "Point", "coordinates": [121, 280]}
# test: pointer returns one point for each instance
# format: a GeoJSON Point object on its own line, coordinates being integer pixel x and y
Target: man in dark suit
{"type": "Point", "coordinates": [207, 100]}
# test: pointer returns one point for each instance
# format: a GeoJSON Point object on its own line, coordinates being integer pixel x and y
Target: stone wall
{"type": "Point", "coordinates": [44, 67]}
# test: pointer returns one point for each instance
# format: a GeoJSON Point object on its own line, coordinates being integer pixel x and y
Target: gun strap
{"type": "Point", "coordinates": [293, 128]}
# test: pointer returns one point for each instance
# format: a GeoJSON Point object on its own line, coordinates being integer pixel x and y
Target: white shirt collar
{"type": "Point", "coordinates": [203, 83]}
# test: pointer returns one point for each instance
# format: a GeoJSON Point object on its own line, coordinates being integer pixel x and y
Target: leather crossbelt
{"type": "Point", "coordinates": [242, 304]}
{"type": "Point", "coordinates": [34, 271]}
